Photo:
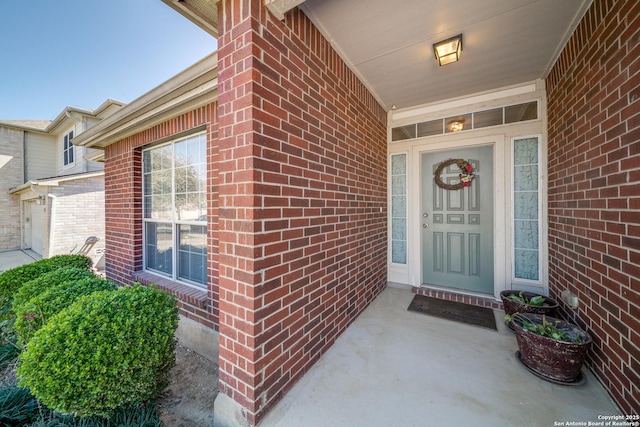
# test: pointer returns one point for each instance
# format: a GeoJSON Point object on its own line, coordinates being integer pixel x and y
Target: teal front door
{"type": "Point", "coordinates": [457, 224]}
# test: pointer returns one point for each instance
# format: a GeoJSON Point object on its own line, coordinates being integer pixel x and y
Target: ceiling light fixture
{"type": "Point", "coordinates": [448, 51]}
{"type": "Point", "coordinates": [456, 125]}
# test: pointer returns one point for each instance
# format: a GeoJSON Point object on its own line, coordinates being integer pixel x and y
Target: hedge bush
{"type": "Point", "coordinates": [45, 281]}
{"type": "Point", "coordinates": [30, 316]}
{"type": "Point", "coordinates": [107, 350]}
{"type": "Point", "coordinates": [11, 280]}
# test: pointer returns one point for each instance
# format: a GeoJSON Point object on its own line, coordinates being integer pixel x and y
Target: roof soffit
{"type": "Point", "coordinates": [203, 13]}
{"type": "Point", "coordinates": [280, 7]}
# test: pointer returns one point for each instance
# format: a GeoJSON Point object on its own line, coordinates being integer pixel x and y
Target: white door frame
{"type": "Point", "coordinates": [501, 221]}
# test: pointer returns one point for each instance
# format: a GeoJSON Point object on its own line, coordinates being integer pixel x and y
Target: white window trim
{"type": "Point", "coordinates": [174, 223]}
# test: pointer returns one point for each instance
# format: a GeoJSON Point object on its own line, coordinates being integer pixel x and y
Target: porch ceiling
{"type": "Point", "coordinates": [389, 43]}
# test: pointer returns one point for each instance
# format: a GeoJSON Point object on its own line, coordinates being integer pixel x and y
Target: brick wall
{"type": "Point", "coordinates": [303, 190]}
{"type": "Point", "coordinates": [594, 189]}
{"type": "Point", "coordinates": [11, 175]}
{"type": "Point", "coordinates": [123, 213]}
{"type": "Point", "coordinates": [79, 214]}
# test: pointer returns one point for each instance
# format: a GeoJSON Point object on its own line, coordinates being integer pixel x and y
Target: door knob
{"type": "Point", "coordinates": [425, 225]}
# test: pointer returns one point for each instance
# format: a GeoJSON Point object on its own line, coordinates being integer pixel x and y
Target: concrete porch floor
{"type": "Point", "coordinates": [393, 367]}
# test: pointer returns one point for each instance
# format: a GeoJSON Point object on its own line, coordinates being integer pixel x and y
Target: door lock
{"type": "Point", "coordinates": [425, 215]}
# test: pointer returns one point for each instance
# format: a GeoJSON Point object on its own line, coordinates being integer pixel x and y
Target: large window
{"type": "Point", "coordinates": [175, 208]}
{"type": "Point", "coordinates": [68, 149]}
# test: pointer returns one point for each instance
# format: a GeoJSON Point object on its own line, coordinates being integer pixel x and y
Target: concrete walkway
{"type": "Point", "coordinates": [11, 259]}
{"type": "Point", "coordinates": [393, 367]}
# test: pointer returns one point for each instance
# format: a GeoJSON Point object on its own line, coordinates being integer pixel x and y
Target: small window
{"type": "Point", "coordinates": [477, 120]}
{"type": "Point", "coordinates": [483, 119]}
{"type": "Point", "coordinates": [403, 132]}
{"type": "Point", "coordinates": [521, 112]}
{"type": "Point", "coordinates": [434, 127]}
{"type": "Point", "coordinates": [68, 150]}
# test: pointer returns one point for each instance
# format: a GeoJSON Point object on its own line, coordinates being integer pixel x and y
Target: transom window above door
{"type": "Point", "coordinates": [175, 209]}
{"type": "Point", "coordinates": [468, 121]}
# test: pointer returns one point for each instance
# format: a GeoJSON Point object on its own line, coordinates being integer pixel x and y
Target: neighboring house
{"type": "Point", "coordinates": [299, 192]}
{"type": "Point", "coordinates": [15, 135]}
{"type": "Point", "coordinates": [51, 190]}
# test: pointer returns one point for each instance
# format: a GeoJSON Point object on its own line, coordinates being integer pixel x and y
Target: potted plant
{"type": "Point", "coordinates": [527, 302]}
{"type": "Point", "coordinates": [552, 348]}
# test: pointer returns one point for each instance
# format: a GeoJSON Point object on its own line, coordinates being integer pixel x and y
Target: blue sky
{"type": "Point", "coordinates": [81, 52]}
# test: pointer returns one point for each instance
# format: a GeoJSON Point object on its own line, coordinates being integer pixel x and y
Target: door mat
{"type": "Point", "coordinates": [452, 310]}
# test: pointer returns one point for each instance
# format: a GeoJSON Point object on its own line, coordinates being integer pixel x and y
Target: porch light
{"type": "Point", "coordinates": [456, 125]}
{"type": "Point", "coordinates": [448, 51]}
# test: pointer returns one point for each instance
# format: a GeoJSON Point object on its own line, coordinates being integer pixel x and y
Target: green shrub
{"type": "Point", "coordinates": [17, 406]}
{"type": "Point", "coordinates": [45, 281]}
{"type": "Point", "coordinates": [31, 315]}
{"type": "Point", "coordinates": [11, 280]}
{"type": "Point", "coordinates": [107, 350]}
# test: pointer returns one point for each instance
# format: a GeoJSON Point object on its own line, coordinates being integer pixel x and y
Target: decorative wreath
{"type": "Point", "coordinates": [466, 175]}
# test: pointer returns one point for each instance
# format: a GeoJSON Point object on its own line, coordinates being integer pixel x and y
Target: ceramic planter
{"type": "Point", "coordinates": [549, 307]}
{"type": "Point", "coordinates": [554, 360]}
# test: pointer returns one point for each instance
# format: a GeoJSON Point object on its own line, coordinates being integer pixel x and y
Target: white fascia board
{"type": "Point", "coordinates": [20, 188]}
{"type": "Point", "coordinates": [280, 7]}
{"type": "Point", "coordinates": [184, 88]}
{"type": "Point", "coordinates": [54, 181]}
{"type": "Point", "coordinates": [22, 128]}
{"type": "Point", "coordinates": [188, 101]}
{"type": "Point", "coordinates": [194, 13]}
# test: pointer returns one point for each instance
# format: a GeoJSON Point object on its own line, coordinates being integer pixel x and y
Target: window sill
{"type": "Point", "coordinates": [186, 294]}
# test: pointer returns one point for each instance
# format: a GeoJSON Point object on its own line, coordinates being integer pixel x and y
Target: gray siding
{"type": "Point", "coordinates": [39, 150]}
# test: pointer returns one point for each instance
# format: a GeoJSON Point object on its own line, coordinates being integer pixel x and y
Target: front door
{"type": "Point", "coordinates": [457, 224]}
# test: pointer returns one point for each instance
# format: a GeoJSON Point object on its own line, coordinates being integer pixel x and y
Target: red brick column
{"type": "Point", "coordinates": [594, 189]}
{"type": "Point", "coordinates": [238, 283]}
{"type": "Point", "coordinates": [303, 191]}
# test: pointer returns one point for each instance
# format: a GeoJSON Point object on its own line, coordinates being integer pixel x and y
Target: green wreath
{"type": "Point", "coordinates": [466, 174]}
